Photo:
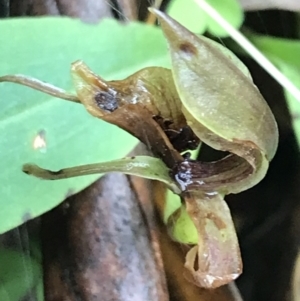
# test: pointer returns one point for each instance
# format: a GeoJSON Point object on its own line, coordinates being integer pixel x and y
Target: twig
{"type": "Point", "coordinates": [128, 9]}
{"type": "Point", "coordinates": [39, 86]}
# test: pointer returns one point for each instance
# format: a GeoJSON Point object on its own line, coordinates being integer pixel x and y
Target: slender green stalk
{"type": "Point", "coordinates": [39, 85]}
{"type": "Point", "coordinates": [143, 166]}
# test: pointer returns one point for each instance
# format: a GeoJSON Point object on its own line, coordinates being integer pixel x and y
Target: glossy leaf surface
{"type": "Point", "coordinates": [20, 274]}
{"type": "Point", "coordinates": [189, 14]}
{"type": "Point", "coordinates": [230, 10]}
{"type": "Point", "coordinates": [72, 137]}
{"type": "Point", "coordinates": [285, 54]}
{"type": "Point", "coordinates": [286, 50]}
{"type": "Point", "coordinates": [292, 72]}
{"type": "Point", "coordinates": [192, 17]}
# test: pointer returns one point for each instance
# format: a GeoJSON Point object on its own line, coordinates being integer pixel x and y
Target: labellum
{"type": "Point", "coordinates": [207, 96]}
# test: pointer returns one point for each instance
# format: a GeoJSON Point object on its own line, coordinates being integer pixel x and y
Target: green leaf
{"type": "Point", "coordinates": [230, 10]}
{"type": "Point", "coordinates": [188, 13]}
{"type": "Point", "coordinates": [285, 54]}
{"type": "Point", "coordinates": [19, 274]}
{"type": "Point", "coordinates": [292, 72]}
{"type": "Point", "coordinates": [191, 16]}
{"type": "Point", "coordinates": [44, 48]}
{"type": "Point", "coordinates": [277, 48]}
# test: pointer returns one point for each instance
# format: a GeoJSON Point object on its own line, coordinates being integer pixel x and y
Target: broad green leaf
{"type": "Point", "coordinates": [45, 48]}
{"type": "Point", "coordinates": [19, 275]}
{"type": "Point", "coordinates": [192, 17]}
{"type": "Point", "coordinates": [286, 50]}
{"type": "Point", "coordinates": [188, 13]}
{"type": "Point", "coordinates": [230, 10]}
{"type": "Point", "coordinates": [285, 54]}
{"type": "Point", "coordinates": [292, 72]}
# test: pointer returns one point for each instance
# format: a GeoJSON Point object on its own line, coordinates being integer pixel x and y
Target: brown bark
{"type": "Point", "coordinates": [97, 246]}
{"type": "Point", "coordinates": [87, 10]}
{"type": "Point", "coordinates": [105, 243]}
